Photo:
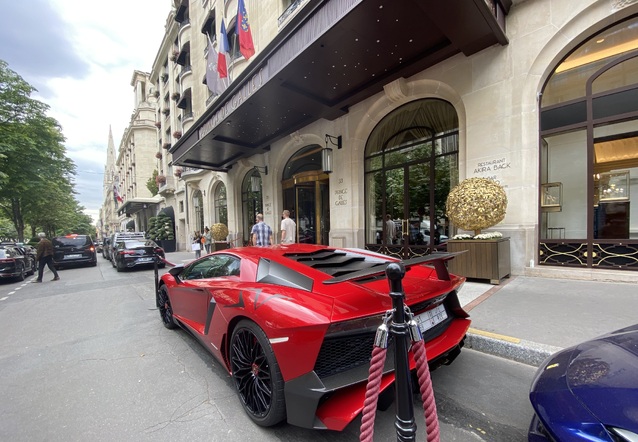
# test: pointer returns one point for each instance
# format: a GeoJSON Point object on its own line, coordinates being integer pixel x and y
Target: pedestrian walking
{"type": "Point", "coordinates": [196, 245]}
{"type": "Point", "coordinates": [390, 229]}
{"type": "Point", "coordinates": [44, 256]}
{"type": "Point", "coordinates": [261, 232]}
{"type": "Point", "coordinates": [288, 228]}
{"type": "Point", "coordinates": [208, 239]}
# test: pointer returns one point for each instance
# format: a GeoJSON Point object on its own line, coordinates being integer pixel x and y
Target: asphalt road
{"type": "Point", "coordinates": [87, 358]}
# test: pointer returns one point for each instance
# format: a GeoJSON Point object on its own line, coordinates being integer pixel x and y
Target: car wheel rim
{"type": "Point", "coordinates": [251, 372]}
{"type": "Point", "coordinates": [166, 312]}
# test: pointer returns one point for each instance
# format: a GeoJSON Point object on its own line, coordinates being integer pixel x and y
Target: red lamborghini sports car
{"type": "Point", "coordinates": [295, 325]}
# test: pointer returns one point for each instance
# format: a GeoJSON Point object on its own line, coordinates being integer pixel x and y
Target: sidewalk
{"type": "Point", "coordinates": [526, 319]}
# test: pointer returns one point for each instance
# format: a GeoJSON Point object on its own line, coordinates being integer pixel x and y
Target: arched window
{"type": "Point", "coordinates": [221, 207]}
{"type": "Point", "coordinates": [411, 163]}
{"type": "Point", "coordinates": [589, 154]}
{"type": "Point", "coordinates": [198, 209]}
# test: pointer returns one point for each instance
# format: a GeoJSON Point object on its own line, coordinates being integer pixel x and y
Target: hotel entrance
{"type": "Point", "coordinates": [306, 196]}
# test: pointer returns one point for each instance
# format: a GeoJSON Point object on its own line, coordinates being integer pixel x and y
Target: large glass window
{"type": "Point", "coordinates": [411, 164]}
{"type": "Point", "coordinates": [589, 154]}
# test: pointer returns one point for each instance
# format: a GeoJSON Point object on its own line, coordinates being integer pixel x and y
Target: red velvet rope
{"type": "Point", "coordinates": [170, 264]}
{"type": "Point", "coordinates": [427, 392]}
{"type": "Point", "coordinates": [372, 393]}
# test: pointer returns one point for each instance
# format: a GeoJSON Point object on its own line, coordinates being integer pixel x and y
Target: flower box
{"type": "Point", "coordinates": [483, 258]}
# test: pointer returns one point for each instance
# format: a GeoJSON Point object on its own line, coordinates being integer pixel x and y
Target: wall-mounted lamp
{"type": "Point", "coordinates": [326, 152]}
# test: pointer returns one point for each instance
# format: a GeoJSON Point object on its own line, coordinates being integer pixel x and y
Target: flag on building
{"type": "Point", "coordinates": [215, 84]}
{"type": "Point", "coordinates": [116, 193]}
{"type": "Point", "coordinates": [246, 46]}
{"type": "Point", "coordinates": [224, 51]}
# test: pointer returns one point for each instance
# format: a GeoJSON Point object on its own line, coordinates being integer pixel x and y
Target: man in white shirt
{"type": "Point", "coordinates": [288, 228]}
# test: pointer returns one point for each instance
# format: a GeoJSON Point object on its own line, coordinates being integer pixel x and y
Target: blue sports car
{"type": "Point", "coordinates": [588, 392]}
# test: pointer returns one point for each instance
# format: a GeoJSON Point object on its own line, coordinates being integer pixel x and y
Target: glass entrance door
{"type": "Point", "coordinates": [306, 197]}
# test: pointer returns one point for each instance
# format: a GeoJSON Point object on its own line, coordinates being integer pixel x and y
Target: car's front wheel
{"type": "Point", "coordinates": [165, 309]}
{"type": "Point", "coordinates": [257, 377]}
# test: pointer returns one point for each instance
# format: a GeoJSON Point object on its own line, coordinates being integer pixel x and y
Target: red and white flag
{"type": "Point", "coordinates": [246, 46]}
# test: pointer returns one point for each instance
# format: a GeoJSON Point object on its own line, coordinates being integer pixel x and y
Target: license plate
{"type": "Point", "coordinates": [73, 256]}
{"type": "Point", "coordinates": [430, 318]}
{"type": "Point", "coordinates": [144, 259]}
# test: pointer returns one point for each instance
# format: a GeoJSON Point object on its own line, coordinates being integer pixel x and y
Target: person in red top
{"type": "Point", "coordinates": [44, 256]}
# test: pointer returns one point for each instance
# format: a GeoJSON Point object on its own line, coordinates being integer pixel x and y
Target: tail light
{"type": "Point", "coordinates": [92, 249]}
{"type": "Point", "coordinates": [127, 252]}
{"type": "Point", "coordinates": [159, 250]}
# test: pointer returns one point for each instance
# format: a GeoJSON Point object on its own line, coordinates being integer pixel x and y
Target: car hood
{"type": "Point", "coordinates": [603, 375]}
{"type": "Point", "coordinates": [592, 383]}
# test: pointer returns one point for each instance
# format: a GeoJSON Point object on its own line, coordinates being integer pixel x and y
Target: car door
{"type": "Point", "coordinates": [192, 299]}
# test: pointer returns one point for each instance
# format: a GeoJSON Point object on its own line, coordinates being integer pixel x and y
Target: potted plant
{"type": "Point", "coordinates": [473, 205]}
{"type": "Point", "coordinates": [175, 96]}
{"type": "Point", "coordinates": [162, 232]}
{"type": "Point", "coordinates": [166, 111]}
{"type": "Point", "coordinates": [158, 124]}
{"type": "Point", "coordinates": [158, 155]}
{"type": "Point", "coordinates": [177, 134]}
{"type": "Point", "coordinates": [166, 146]}
{"type": "Point", "coordinates": [219, 232]}
{"type": "Point", "coordinates": [164, 78]}
{"type": "Point", "coordinates": [178, 172]}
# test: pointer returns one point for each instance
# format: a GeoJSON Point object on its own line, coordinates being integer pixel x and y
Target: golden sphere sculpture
{"type": "Point", "coordinates": [219, 232]}
{"type": "Point", "coordinates": [476, 204]}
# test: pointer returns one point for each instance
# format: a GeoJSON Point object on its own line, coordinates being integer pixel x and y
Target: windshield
{"type": "Point", "coordinates": [71, 241]}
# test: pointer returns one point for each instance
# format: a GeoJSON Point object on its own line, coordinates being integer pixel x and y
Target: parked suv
{"type": "Point", "coordinates": [73, 250]}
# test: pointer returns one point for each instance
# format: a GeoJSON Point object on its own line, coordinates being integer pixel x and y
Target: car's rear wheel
{"type": "Point", "coordinates": [33, 269]}
{"type": "Point", "coordinates": [22, 273]}
{"type": "Point", "coordinates": [165, 309]}
{"type": "Point", "coordinates": [257, 377]}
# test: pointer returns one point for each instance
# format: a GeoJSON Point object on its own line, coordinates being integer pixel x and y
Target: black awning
{"type": "Point", "coordinates": [332, 55]}
{"type": "Point", "coordinates": [132, 206]}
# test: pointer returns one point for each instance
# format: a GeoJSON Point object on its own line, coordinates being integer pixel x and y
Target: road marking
{"type": "Point", "coordinates": [494, 335]}
{"type": "Point", "coordinates": [5, 298]}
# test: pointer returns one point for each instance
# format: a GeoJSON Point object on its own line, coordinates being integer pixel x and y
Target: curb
{"type": "Point", "coordinates": [519, 350]}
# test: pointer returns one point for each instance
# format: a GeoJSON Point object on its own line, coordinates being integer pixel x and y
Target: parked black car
{"type": "Point", "coordinates": [15, 262]}
{"type": "Point", "coordinates": [73, 250]}
{"type": "Point", "coordinates": [129, 253]}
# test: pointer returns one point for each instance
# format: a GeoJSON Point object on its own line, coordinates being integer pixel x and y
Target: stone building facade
{"type": "Point", "coordinates": [406, 102]}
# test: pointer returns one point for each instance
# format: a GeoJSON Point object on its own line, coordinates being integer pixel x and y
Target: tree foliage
{"type": "Point", "coordinates": [36, 176]}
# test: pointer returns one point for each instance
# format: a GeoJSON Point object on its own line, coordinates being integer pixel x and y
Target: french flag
{"type": "Point", "coordinates": [224, 50]}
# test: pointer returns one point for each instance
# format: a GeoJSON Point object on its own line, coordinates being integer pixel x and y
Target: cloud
{"type": "Point", "coordinates": [81, 57]}
{"type": "Point", "coordinates": [36, 45]}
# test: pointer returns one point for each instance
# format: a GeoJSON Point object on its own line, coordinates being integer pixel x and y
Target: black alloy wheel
{"type": "Point", "coordinates": [257, 377]}
{"type": "Point", "coordinates": [165, 309]}
{"type": "Point", "coordinates": [23, 272]}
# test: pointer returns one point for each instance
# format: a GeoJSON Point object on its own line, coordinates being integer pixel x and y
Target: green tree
{"type": "Point", "coordinates": [35, 175]}
{"type": "Point", "coordinates": [151, 184]}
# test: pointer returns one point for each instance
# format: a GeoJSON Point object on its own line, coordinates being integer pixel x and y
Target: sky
{"type": "Point", "coordinates": [80, 55]}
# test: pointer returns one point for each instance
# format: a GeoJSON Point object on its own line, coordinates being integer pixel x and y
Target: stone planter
{"type": "Point", "coordinates": [483, 259]}
{"type": "Point", "coordinates": [167, 244]}
{"type": "Point", "coordinates": [219, 245]}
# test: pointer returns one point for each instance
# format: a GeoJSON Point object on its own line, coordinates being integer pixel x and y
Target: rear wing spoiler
{"type": "Point", "coordinates": [437, 260]}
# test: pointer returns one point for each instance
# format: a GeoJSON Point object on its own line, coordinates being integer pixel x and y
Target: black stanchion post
{"type": "Point", "coordinates": [156, 274]}
{"type": "Point", "coordinates": [404, 422]}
